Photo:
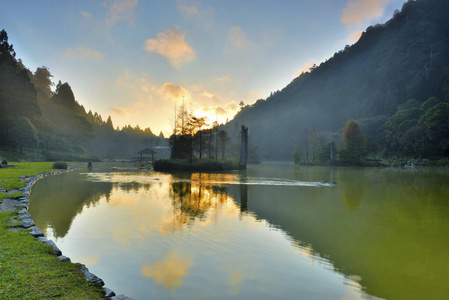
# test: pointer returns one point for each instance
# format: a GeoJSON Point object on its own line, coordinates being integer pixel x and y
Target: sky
{"type": "Point", "coordinates": [136, 60]}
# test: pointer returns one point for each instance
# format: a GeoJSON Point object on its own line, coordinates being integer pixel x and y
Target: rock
{"type": "Point", "coordinates": [27, 222]}
{"type": "Point", "coordinates": [23, 212]}
{"type": "Point", "coordinates": [108, 293]}
{"type": "Point", "coordinates": [23, 202]}
{"type": "Point", "coordinates": [89, 276]}
{"type": "Point", "coordinates": [55, 248]}
{"type": "Point", "coordinates": [46, 241]}
{"type": "Point", "coordinates": [35, 231]}
{"type": "Point", "coordinates": [121, 297]}
{"type": "Point", "coordinates": [64, 258]}
{"type": "Point", "coordinates": [21, 206]}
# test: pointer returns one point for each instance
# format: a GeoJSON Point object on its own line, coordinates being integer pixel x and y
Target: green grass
{"type": "Point", "coordinates": [28, 269]}
{"type": "Point", "coordinates": [9, 176]}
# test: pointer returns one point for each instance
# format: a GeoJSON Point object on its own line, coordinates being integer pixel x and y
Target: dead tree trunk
{"type": "Point", "coordinates": [243, 148]}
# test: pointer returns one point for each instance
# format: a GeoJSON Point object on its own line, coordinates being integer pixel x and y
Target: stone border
{"type": "Point", "coordinates": [28, 223]}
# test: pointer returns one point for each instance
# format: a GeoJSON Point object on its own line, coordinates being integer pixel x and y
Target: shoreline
{"type": "Point", "coordinates": [21, 204]}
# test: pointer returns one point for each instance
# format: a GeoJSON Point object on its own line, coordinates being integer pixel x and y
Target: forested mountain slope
{"type": "Point", "coordinates": [53, 125]}
{"type": "Point", "coordinates": [370, 81]}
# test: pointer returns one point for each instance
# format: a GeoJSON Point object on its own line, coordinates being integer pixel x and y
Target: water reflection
{"type": "Point", "coordinates": [61, 199]}
{"type": "Point", "coordinates": [170, 271]}
{"type": "Point", "coordinates": [383, 230]}
{"type": "Point", "coordinates": [353, 189]}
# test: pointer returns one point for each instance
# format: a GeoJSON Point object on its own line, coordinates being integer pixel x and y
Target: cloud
{"type": "Point", "coordinates": [223, 79]}
{"type": "Point", "coordinates": [306, 67]}
{"type": "Point", "coordinates": [86, 14]}
{"type": "Point", "coordinates": [120, 111]}
{"type": "Point", "coordinates": [355, 36]}
{"type": "Point", "coordinates": [82, 52]}
{"type": "Point", "coordinates": [211, 96]}
{"type": "Point", "coordinates": [357, 12]}
{"type": "Point", "coordinates": [252, 96]}
{"type": "Point", "coordinates": [120, 10]}
{"type": "Point", "coordinates": [170, 271]}
{"type": "Point", "coordinates": [173, 91]}
{"type": "Point", "coordinates": [237, 38]}
{"type": "Point", "coordinates": [139, 99]}
{"type": "Point", "coordinates": [222, 112]}
{"type": "Point", "coordinates": [172, 45]}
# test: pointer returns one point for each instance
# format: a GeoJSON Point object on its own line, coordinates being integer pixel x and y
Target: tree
{"type": "Point", "coordinates": [109, 123]}
{"type": "Point", "coordinates": [313, 140]}
{"type": "Point", "coordinates": [415, 140]}
{"type": "Point", "coordinates": [194, 128]}
{"type": "Point", "coordinates": [223, 138]}
{"type": "Point", "coordinates": [42, 80]}
{"type": "Point", "coordinates": [23, 133]}
{"type": "Point", "coordinates": [399, 123]}
{"type": "Point", "coordinates": [17, 93]}
{"type": "Point", "coordinates": [296, 156]}
{"type": "Point", "coordinates": [355, 144]}
{"type": "Point", "coordinates": [64, 96]}
{"type": "Point", "coordinates": [5, 47]}
{"type": "Point", "coordinates": [436, 120]}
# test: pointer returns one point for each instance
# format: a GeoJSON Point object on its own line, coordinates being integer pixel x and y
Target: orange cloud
{"type": "Point", "coordinates": [357, 12]}
{"type": "Point", "coordinates": [170, 271]}
{"type": "Point", "coordinates": [223, 79]}
{"type": "Point", "coordinates": [172, 45]}
{"type": "Point", "coordinates": [355, 36]}
{"type": "Point", "coordinates": [306, 67]}
{"type": "Point", "coordinates": [120, 10]}
{"type": "Point", "coordinates": [173, 91]}
{"type": "Point", "coordinates": [118, 111]}
{"type": "Point", "coordinates": [82, 52]}
{"type": "Point", "coordinates": [222, 112]}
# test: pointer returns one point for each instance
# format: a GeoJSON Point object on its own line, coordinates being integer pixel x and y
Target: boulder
{"type": "Point", "coordinates": [89, 276]}
{"type": "Point", "coordinates": [64, 258]}
{"type": "Point", "coordinates": [35, 231]}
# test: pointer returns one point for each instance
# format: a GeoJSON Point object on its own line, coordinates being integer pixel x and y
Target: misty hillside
{"type": "Point", "coordinates": [405, 58]}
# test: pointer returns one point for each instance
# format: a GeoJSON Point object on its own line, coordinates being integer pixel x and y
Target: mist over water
{"type": "Point", "coordinates": [271, 232]}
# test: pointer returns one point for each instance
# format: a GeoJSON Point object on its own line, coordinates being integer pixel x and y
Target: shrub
{"type": "Point", "coordinates": [60, 165]}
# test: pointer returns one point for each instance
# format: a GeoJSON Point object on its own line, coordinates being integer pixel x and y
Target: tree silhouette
{"type": "Point", "coordinates": [355, 145]}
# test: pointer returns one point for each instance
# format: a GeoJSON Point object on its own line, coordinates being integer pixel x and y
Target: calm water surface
{"type": "Point", "coordinates": [271, 232]}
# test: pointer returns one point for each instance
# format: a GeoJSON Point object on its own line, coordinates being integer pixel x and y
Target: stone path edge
{"type": "Point", "coordinates": [28, 223]}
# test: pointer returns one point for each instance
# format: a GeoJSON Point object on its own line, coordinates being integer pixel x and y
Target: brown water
{"type": "Point", "coordinates": [272, 232]}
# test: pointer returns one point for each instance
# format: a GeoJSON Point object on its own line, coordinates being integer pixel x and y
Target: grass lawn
{"type": "Point", "coordinates": [28, 269]}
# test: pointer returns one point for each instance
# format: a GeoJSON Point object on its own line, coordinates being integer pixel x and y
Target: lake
{"type": "Point", "coordinates": [274, 231]}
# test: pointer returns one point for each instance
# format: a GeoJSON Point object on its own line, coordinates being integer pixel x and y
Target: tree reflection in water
{"type": "Point", "coordinates": [193, 199]}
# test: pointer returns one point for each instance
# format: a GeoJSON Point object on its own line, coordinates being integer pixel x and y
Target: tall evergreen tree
{"type": "Point", "coordinates": [355, 144]}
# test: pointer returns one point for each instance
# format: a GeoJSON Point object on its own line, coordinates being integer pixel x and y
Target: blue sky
{"type": "Point", "coordinates": [134, 59]}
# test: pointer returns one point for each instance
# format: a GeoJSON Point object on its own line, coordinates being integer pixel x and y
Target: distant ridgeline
{"type": "Point", "coordinates": [54, 123]}
{"type": "Point", "coordinates": [392, 85]}
{"type": "Point", "coordinates": [394, 82]}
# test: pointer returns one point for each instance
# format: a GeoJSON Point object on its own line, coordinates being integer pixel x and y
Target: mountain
{"type": "Point", "coordinates": [405, 58]}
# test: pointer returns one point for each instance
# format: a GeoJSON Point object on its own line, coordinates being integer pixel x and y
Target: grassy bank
{"type": "Point", "coordinates": [42, 155]}
{"type": "Point", "coordinates": [28, 269]}
{"type": "Point", "coordinates": [196, 165]}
